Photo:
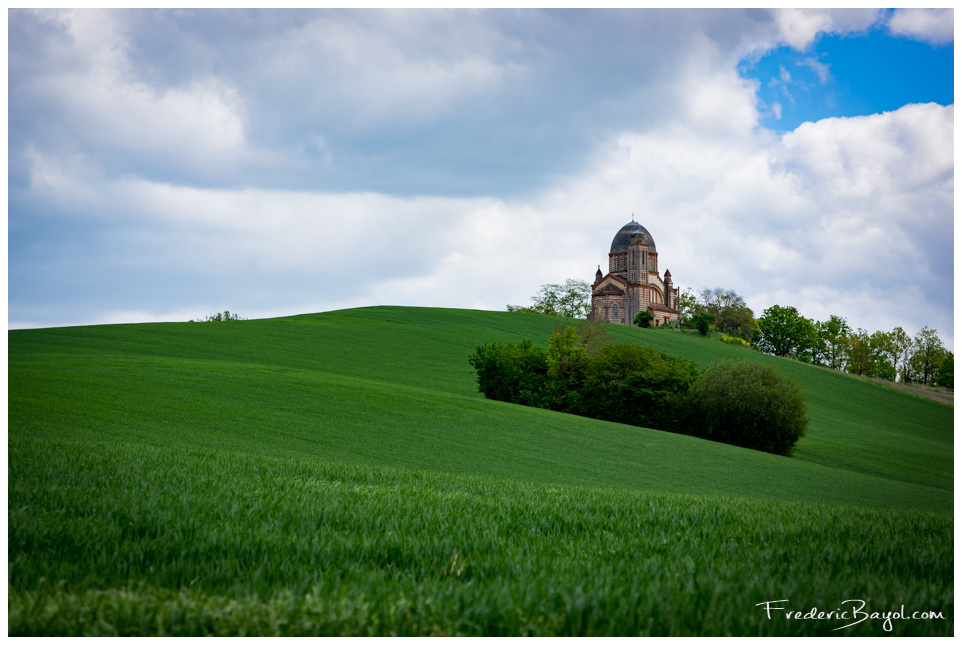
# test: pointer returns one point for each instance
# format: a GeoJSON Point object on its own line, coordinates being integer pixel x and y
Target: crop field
{"type": "Point", "coordinates": [339, 474]}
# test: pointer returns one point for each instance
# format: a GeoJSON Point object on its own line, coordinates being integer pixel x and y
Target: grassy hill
{"type": "Point", "coordinates": [249, 448]}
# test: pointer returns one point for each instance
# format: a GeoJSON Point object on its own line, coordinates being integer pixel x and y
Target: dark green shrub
{"type": "Point", "coordinates": [511, 373]}
{"type": "Point", "coordinates": [567, 362]}
{"type": "Point", "coordinates": [636, 385]}
{"type": "Point", "coordinates": [750, 405]}
{"type": "Point", "coordinates": [644, 318]}
{"type": "Point", "coordinates": [703, 322]}
{"type": "Point", "coordinates": [743, 404]}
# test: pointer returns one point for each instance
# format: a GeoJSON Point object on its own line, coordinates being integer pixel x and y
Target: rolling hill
{"type": "Point", "coordinates": [375, 386]}
{"type": "Point", "coordinates": [140, 416]}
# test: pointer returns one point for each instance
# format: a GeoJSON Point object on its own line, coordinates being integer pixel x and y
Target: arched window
{"type": "Point", "coordinates": [616, 310]}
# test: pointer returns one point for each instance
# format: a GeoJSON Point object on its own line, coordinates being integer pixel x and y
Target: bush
{"type": "Point", "coordinates": [567, 360]}
{"type": "Point", "coordinates": [750, 405]}
{"type": "Point", "coordinates": [735, 340]}
{"type": "Point", "coordinates": [511, 373]}
{"type": "Point", "coordinates": [644, 318]}
{"type": "Point", "coordinates": [744, 404]}
{"type": "Point", "coordinates": [641, 386]}
{"type": "Point", "coordinates": [703, 322]}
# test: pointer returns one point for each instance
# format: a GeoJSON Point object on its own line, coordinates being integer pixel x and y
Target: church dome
{"type": "Point", "coordinates": [631, 230]}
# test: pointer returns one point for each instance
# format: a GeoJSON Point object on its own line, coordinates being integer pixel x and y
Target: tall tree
{"type": "Point", "coordinates": [832, 336]}
{"type": "Point", "coordinates": [570, 300]}
{"type": "Point", "coordinates": [859, 357]}
{"type": "Point", "coordinates": [785, 332]}
{"type": "Point", "coordinates": [946, 375]}
{"type": "Point", "coordinates": [687, 307]}
{"type": "Point", "coordinates": [900, 349]}
{"type": "Point", "coordinates": [594, 336]}
{"type": "Point", "coordinates": [927, 355]}
{"type": "Point", "coordinates": [732, 315]}
{"type": "Point", "coordinates": [883, 347]}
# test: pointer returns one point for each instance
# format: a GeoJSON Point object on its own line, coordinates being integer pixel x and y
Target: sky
{"type": "Point", "coordinates": [167, 164]}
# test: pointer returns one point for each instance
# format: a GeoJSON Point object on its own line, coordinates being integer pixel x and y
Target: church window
{"type": "Point", "coordinates": [616, 310]}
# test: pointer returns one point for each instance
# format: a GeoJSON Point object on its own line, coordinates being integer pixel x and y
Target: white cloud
{"type": "Point", "coordinates": [102, 104]}
{"type": "Point", "coordinates": [800, 27]}
{"type": "Point", "coordinates": [389, 66]}
{"type": "Point", "coordinates": [822, 70]}
{"type": "Point", "coordinates": [935, 26]}
{"type": "Point", "coordinates": [841, 216]}
{"type": "Point", "coordinates": [717, 104]}
{"type": "Point", "coordinates": [196, 125]}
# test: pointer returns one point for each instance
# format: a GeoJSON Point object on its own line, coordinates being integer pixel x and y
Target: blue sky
{"type": "Point", "coordinates": [849, 75]}
{"type": "Point", "coordinates": [166, 164]}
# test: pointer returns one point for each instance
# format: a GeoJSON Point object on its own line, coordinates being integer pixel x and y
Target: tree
{"type": "Point", "coordinates": [928, 353]}
{"type": "Point", "coordinates": [570, 300]}
{"type": "Point", "coordinates": [748, 404]}
{"type": "Point", "coordinates": [644, 318]}
{"type": "Point", "coordinates": [703, 321]}
{"type": "Point", "coordinates": [732, 315]}
{"type": "Point", "coordinates": [593, 335]}
{"type": "Point", "coordinates": [831, 347]}
{"type": "Point", "coordinates": [784, 332]}
{"type": "Point", "coordinates": [687, 307]}
{"type": "Point", "coordinates": [946, 374]}
{"type": "Point", "coordinates": [738, 321]}
{"type": "Point", "coordinates": [882, 349]}
{"type": "Point", "coordinates": [901, 344]}
{"type": "Point", "coordinates": [859, 356]}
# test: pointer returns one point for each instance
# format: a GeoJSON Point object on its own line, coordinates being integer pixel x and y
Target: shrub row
{"type": "Point", "coordinates": [746, 404]}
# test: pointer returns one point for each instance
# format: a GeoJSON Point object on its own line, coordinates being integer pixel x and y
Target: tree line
{"type": "Point", "coordinates": [892, 355]}
{"type": "Point", "coordinates": [781, 330]}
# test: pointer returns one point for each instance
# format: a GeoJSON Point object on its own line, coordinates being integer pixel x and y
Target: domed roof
{"type": "Point", "coordinates": [627, 232]}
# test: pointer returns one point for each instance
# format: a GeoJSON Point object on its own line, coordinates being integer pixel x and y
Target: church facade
{"type": "Point", "coordinates": [633, 283]}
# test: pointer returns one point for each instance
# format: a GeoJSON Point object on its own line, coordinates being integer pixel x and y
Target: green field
{"type": "Point", "coordinates": [339, 473]}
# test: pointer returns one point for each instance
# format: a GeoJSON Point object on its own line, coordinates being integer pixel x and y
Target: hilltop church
{"type": "Point", "coordinates": [633, 283]}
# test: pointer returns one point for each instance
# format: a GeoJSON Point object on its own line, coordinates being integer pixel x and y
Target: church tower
{"type": "Point", "coordinates": [633, 283]}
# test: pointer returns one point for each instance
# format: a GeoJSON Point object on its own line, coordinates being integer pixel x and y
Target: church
{"type": "Point", "coordinates": [633, 283]}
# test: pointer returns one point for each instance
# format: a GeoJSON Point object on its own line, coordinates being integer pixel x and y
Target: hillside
{"type": "Point", "coordinates": [391, 386]}
{"type": "Point", "coordinates": [339, 474]}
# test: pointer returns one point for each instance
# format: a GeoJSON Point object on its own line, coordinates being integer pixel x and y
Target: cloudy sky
{"type": "Point", "coordinates": [163, 165]}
